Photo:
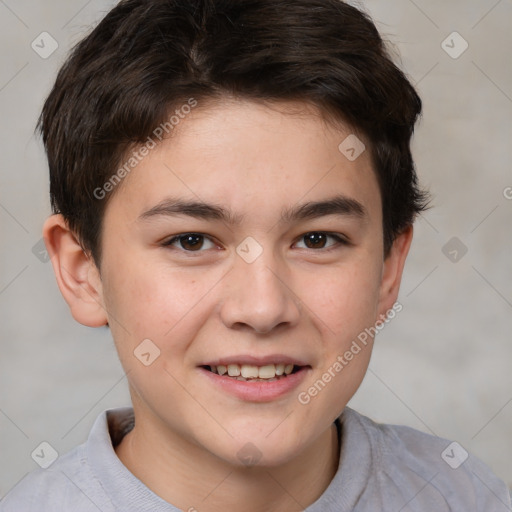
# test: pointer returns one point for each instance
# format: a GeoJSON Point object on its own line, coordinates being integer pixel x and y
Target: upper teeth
{"type": "Point", "coordinates": [248, 371]}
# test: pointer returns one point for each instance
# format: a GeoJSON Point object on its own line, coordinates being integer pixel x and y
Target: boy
{"type": "Point", "coordinates": [233, 195]}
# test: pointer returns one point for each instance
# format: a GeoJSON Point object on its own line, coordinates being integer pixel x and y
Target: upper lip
{"type": "Point", "coordinates": [256, 361]}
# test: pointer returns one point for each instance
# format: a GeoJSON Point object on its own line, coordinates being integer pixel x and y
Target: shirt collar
{"type": "Point", "coordinates": [127, 492]}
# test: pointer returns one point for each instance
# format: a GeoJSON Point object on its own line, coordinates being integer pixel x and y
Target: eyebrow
{"type": "Point", "coordinates": [338, 205]}
{"type": "Point", "coordinates": [171, 207]}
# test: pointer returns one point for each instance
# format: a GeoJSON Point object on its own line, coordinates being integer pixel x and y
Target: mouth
{"type": "Point", "coordinates": [256, 379]}
{"type": "Point", "coordinates": [253, 373]}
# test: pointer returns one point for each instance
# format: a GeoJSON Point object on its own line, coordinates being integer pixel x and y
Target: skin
{"type": "Point", "coordinates": [197, 306]}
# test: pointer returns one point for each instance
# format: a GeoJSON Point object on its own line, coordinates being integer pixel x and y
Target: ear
{"type": "Point", "coordinates": [77, 276]}
{"type": "Point", "coordinates": [392, 271]}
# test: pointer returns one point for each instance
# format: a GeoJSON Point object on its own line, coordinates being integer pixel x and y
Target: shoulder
{"type": "Point", "coordinates": [411, 465]}
{"type": "Point", "coordinates": [68, 484]}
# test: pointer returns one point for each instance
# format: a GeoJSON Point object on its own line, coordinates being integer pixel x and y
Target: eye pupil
{"type": "Point", "coordinates": [315, 240]}
{"type": "Point", "coordinates": [191, 242]}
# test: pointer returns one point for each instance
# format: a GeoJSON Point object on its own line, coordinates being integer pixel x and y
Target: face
{"type": "Point", "coordinates": [246, 242]}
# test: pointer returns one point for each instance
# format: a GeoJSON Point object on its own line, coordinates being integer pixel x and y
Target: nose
{"type": "Point", "coordinates": [258, 297]}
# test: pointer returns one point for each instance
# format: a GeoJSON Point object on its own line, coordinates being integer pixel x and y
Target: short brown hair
{"type": "Point", "coordinates": [146, 57]}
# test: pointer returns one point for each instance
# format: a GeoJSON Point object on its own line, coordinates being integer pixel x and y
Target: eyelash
{"type": "Point", "coordinates": [339, 239]}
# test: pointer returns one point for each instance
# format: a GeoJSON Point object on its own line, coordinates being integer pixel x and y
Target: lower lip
{"type": "Point", "coordinates": [257, 391]}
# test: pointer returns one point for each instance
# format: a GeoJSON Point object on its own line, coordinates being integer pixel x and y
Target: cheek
{"type": "Point", "coordinates": [344, 299]}
{"type": "Point", "coordinates": [154, 300]}
{"type": "Point", "coordinates": [343, 307]}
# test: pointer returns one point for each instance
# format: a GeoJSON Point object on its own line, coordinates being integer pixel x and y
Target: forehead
{"type": "Point", "coordinates": [255, 159]}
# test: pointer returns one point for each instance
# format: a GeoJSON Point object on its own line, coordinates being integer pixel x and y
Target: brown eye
{"type": "Point", "coordinates": [190, 242]}
{"type": "Point", "coordinates": [321, 240]}
{"type": "Point", "coordinates": [315, 240]}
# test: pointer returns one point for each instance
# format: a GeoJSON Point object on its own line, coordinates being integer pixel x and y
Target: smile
{"type": "Point", "coordinates": [250, 373]}
{"type": "Point", "coordinates": [252, 382]}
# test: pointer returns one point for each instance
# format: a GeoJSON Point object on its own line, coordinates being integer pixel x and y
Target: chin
{"type": "Point", "coordinates": [259, 451]}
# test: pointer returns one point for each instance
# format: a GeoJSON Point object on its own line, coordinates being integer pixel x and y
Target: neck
{"type": "Point", "coordinates": [192, 479]}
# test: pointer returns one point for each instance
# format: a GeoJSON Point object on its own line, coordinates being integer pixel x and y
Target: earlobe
{"type": "Point", "coordinates": [76, 273]}
{"type": "Point", "coordinates": [393, 269]}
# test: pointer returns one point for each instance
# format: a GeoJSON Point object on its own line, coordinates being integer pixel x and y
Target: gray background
{"type": "Point", "coordinates": [442, 366]}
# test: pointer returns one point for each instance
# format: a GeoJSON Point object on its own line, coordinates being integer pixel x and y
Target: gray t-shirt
{"type": "Point", "coordinates": [382, 468]}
